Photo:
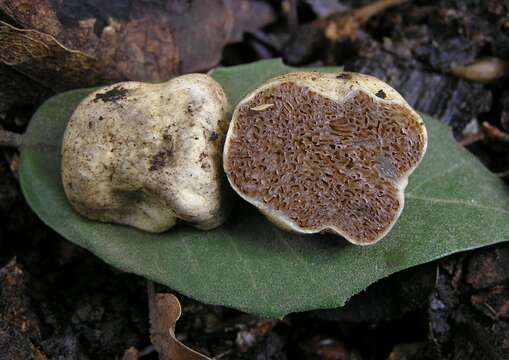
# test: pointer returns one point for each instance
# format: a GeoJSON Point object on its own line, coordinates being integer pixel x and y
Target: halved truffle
{"type": "Point", "coordinates": [322, 152]}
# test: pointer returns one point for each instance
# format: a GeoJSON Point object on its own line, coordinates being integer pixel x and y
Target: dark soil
{"type": "Point", "coordinates": [58, 301]}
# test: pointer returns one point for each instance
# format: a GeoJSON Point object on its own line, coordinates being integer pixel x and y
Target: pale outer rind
{"type": "Point", "coordinates": [336, 87]}
{"type": "Point", "coordinates": [150, 157]}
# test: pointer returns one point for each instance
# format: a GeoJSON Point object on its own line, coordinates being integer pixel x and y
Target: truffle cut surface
{"type": "Point", "coordinates": [322, 163]}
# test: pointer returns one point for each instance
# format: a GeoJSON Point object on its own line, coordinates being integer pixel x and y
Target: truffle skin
{"type": "Point", "coordinates": [322, 152]}
{"type": "Point", "coordinates": [146, 155]}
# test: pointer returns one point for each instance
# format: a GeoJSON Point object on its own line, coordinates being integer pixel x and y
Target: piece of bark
{"type": "Point", "coordinates": [456, 33]}
{"type": "Point", "coordinates": [134, 39]}
{"type": "Point", "coordinates": [459, 101]}
{"type": "Point", "coordinates": [464, 326]}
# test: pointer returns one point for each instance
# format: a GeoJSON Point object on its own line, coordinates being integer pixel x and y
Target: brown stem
{"type": "Point", "coordinates": [10, 139]}
{"type": "Point", "coordinates": [344, 25]}
{"type": "Point", "coordinates": [470, 139]}
{"type": "Point", "coordinates": [364, 13]}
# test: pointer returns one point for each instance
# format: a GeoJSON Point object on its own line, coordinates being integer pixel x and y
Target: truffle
{"type": "Point", "coordinates": [146, 155]}
{"type": "Point", "coordinates": [318, 152]}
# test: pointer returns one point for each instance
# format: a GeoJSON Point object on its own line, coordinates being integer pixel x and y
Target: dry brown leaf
{"type": "Point", "coordinates": [164, 311]}
{"type": "Point", "coordinates": [135, 39]}
{"type": "Point", "coordinates": [48, 46]}
{"type": "Point", "coordinates": [43, 59]}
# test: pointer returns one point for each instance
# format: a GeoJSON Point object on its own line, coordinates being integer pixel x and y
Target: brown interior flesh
{"type": "Point", "coordinates": [324, 163]}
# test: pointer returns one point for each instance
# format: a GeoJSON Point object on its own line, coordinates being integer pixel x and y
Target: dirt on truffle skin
{"type": "Point", "coordinates": [325, 163]}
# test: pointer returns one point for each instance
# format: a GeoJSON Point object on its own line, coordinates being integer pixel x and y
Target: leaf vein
{"type": "Point", "coordinates": [457, 202]}
{"type": "Point", "coordinates": [194, 262]}
{"type": "Point", "coordinates": [299, 258]}
{"type": "Point", "coordinates": [256, 288]}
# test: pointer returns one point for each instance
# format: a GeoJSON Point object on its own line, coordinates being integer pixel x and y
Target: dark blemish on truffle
{"type": "Point", "coordinates": [130, 196]}
{"type": "Point", "coordinates": [117, 93]}
{"type": "Point", "coordinates": [204, 164]}
{"type": "Point", "coordinates": [167, 138]}
{"type": "Point", "coordinates": [344, 76]}
{"type": "Point", "coordinates": [159, 160]}
{"type": "Point", "coordinates": [381, 94]}
{"type": "Point", "coordinates": [90, 124]}
{"type": "Point", "coordinates": [101, 118]}
{"type": "Point", "coordinates": [213, 136]}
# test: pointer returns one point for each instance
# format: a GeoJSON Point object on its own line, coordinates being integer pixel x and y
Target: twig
{"type": "Point", "coordinates": [364, 13]}
{"type": "Point", "coordinates": [10, 139]}
{"type": "Point", "coordinates": [471, 139]}
{"type": "Point", "coordinates": [491, 132]}
{"type": "Point", "coordinates": [503, 174]}
{"type": "Point", "coordinates": [344, 25]}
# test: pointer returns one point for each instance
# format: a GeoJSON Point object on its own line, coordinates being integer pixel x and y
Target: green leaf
{"type": "Point", "coordinates": [452, 204]}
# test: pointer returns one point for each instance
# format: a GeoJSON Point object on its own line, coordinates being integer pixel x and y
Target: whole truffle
{"type": "Point", "coordinates": [322, 152]}
{"type": "Point", "coordinates": [146, 155]}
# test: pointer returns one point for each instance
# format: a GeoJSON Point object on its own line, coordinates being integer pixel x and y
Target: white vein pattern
{"type": "Point", "coordinates": [457, 202]}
